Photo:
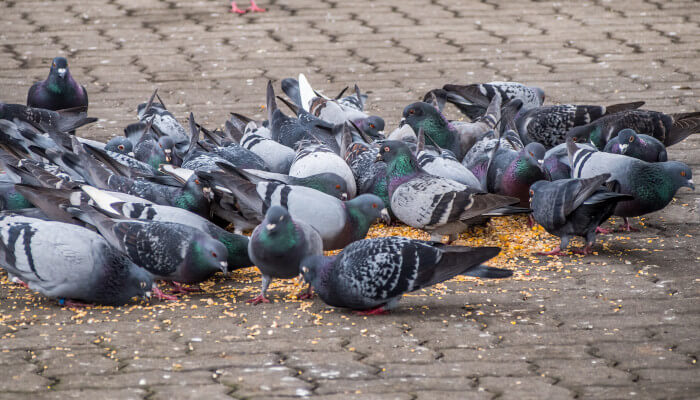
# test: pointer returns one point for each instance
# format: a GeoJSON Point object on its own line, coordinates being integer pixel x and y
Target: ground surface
{"type": "Point", "coordinates": [624, 323]}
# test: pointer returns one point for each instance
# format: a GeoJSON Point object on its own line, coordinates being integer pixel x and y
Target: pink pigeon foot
{"type": "Point", "coordinates": [259, 299]}
{"type": "Point", "coordinates": [586, 250]}
{"type": "Point", "coordinates": [235, 9]}
{"type": "Point", "coordinates": [162, 296]}
{"type": "Point", "coordinates": [556, 252]}
{"type": "Point", "coordinates": [70, 303]}
{"type": "Point", "coordinates": [372, 311]}
{"type": "Point", "coordinates": [178, 288]}
{"type": "Point", "coordinates": [254, 7]}
{"type": "Point", "coordinates": [626, 227]}
{"type": "Point", "coordinates": [604, 231]}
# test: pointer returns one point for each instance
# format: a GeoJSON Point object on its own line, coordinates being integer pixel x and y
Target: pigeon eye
{"type": "Point", "coordinates": [411, 111]}
{"type": "Point", "coordinates": [196, 181]}
{"type": "Point", "coordinates": [120, 147]}
{"type": "Point", "coordinates": [53, 65]}
{"type": "Point", "coordinates": [371, 126]}
{"type": "Point", "coordinates": [532, 154]}
{"type": "Point", "coordinates": [337, 186]}
{"type": "Point", "coordinates": [574, 139]}
{"type": "Point", "coordinates": [682, 173]}
{"type": "Point", "coordinates": [374, 205]}
{"type": "Point", "coordinates": [386, 149]}
{"type": "Point", "coordinates": [631, 139]}
{"type": "Point", "coordinates": [142, 284]}
{"type": "Point", "coordinates": [213, 254]}
{"type": "Point", "coordinates": [532, 192]}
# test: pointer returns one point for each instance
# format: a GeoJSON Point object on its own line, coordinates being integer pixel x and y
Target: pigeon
{"type": "Point", "coordinates": [278, 157]}
{"type": "Point", "coordinates": [573, 207]}
{"type": "Point", "coordinates": [316, 158]}
{"type": "Point", "coordinates": [642, 147]}
{"type": "Point", "coordinates": [237, 245]}
{"type": "Point", "coordinates": [556, 162]}
{"type": "Point", "coordinates": [45, 120]}
{"type": "Point", "coordinates": [370, 175]}
{"type": "Point", "coordinates": [238, 156]}
{"type": "Point", "coordinates": [443, 163]}
{"type": "Point", "coordinates": [435, 125]}
{"type": "Point", "coordinates": [438, 205]}
{"type": "Point", "coordinates": [511, 173]}
{"type": "Point", "coordinates": [338, 222]}
{"type": "Point", "coordinates": [154, 151]}
{"type": "Point", "coordinates": [165, 124]}
{"type": "Point", "coordinates": [59, 91]}
{"type": "Point", "coordinates": [669, 129]}
{"type": "Point", "coordinates": [11, 199]}
{"type": "Point", "coordinates": [326, 182]}
{"type": "Point", "coordinates": [278, 245]}
{"type": "Point", "coordinates": [167, 250]}
{"type": "Point", "coordinates": [372, 275]}
{"type": "Point", "coordinates": [121, 145]}
{"type": "Point", "coordinates": [653, 185]}
{"type": "Point", "coordinates": [473, 100]}
{"type": "Point", "coordinates": [68, 262]}
{"type": "Point", "coordinates": [548, 125]}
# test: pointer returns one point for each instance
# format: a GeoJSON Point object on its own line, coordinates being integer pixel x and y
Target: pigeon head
{"type": "Point", "coordinates": [313, 267]}
{"type": "Point", "coordinates": [626, 138]}
{"type": "Point", "coordinates": [534, 153]}
{"type": "Point", "coordinates": [122, 280]}
{"type": "Point", "coordinates": [328, 183]}
{"type": "Point", "coordinates": [399, 158]}
{"type": "Point", "coordinates": [59, 68]}
{"type": "Point", "coordinates": [423, 115]}
{"type": "Point", "coordinates": [168, 145]}
{"type": "Point", "coordinates": [196, 196]}
{"type": "Point", "coordinates": [367, 208]}
{"type": "Point", "coordinates": [139, 282]}
{"type": "Point", "coordinates": [209, 256]}
{"type": "Point", "coordinates": [372, 126]}
{"type": "Point", "coordinates": [586, 133]}
{"type": "Point", "coordinates": [120, 145]}
{"type": "Point", "coordinates": [535, 187]}
{"type": "Point", "coordinates": [680, 173]}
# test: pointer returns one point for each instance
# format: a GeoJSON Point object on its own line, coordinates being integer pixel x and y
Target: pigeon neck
{"type": "Point", "coordinates": [359, 222]}
{"type": "Point", "coordinates": [58, 85]}
{"type": "Point", "coordinates": [237, 247]}
{"type": "Point", "coordinates": [403, 168]}
{"type": "Point", "coordinates": [283, 240]}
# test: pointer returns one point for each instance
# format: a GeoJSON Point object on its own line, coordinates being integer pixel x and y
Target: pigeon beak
{"type": "Point", "coordinates": [270, 227]}
{"type": "Point", "coordinates": [386, 218]}
{"type": "Point", "coordinates": [61, 72]}
{"type": "Point", "coordinates": [540, 162]}
{"type": "Point", "coordinates": [691, 185]}
{"type": "Point", "coordinates": [131, 154]}
{"type": "Point", "coordinates": [402, 122]}
{"type": "Point", "coordinates": [147, 295]}
{"type": "Point", "coordinates": [379, 158]}
{"type": "Point", "coordinates": [381, 133]}
{"type": "Point", "coordinates": [344, 196]}
{"type": "Point", "coordinates": [623, 148]}
{"type": "Point", "coordinates": [224, 266]}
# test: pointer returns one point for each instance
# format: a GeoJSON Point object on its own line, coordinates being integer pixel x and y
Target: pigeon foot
{"type": "Point", "coordinates": [70, 303]}
{"type": "Point", "coordinates": [254, 7]}
{"type": "Point", "coordinates": [556, 252]}
{"type": "Point", "coordinates": [235, 9]}
{"type": "Point", "coordinates": [586, 250]}
{"type": "Point", "coordinates": [372, 311]}
{"type": "Point", "coordinates": [178, 288]}
{"type": "Point", "coordinates": [162, 296]}
{"type": "Point", "coordinates": [258, 299]}
{"type": "Point", "coordinates": [604, 231]}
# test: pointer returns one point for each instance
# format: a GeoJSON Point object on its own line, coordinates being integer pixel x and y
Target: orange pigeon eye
{"type": "Point", "coordinates": [532, 192]}
{"type": "Point", "coordinates": [120, 147]}
{"type": "Point", "coordinates": [196, 181]}
{"type": "Point", "coordinates": [213, 254]}
{"type": "Point", "coordinates": [337, 186]}
{"type": "Point", "coordinates": [574, 139]}
{"type": "Point", "coordinates": [411, 111]}
{"type": "Point", "coordinates": [374, 205]}
{"type": "Point", "coordinates": [386, 149]}
{"type": "Point", "coordinates": [371, 126]}
{"type": "Point", "coordinates": [682, 173]}
{"type": "Point", "coordinates": [631, 139]}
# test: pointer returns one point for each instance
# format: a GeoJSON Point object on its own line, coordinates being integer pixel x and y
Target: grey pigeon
{"type": "Point", "coordinates": [573, 207]}
{"type": "Point", "coordinates": [316, 158]}
{"type": "Point", "coordinates": [277, 156]}
{"type": "Point", "coordinates": [67, 262]}
{"type": "Point", "coordinates": [369, 174]}
{"type": "Point", "coordinates": [45, 120]}
{"type": "Point", "coordinates": [372, 275]}
{"type": "Point", "coordinates": [120, 144]}
{"type": "Point", "coordinates": [548, 125]}
{"type": "Point", "coordinates": [653, 185]}
{"type": "Point", "coordinates": [473, 100]}
{"type": "Point", "coordinates": [443, 163]}
{"type": "Point", "coordinates": [165, 123]}
{"type": "Point", "coordinates": [59, 91]}
{"type": "Point", "coordinates": [338, 222]}
{"type": "Point", "coordinates": [278, 245]}
{"type": "Point", "coordinates": [326, 182]}
{"type": "Point", "coordinates": [167, 250]}
{"type": "Point", "coordinates": [643, 147]}
{"type": "Point", "coordinates": [438, 205]}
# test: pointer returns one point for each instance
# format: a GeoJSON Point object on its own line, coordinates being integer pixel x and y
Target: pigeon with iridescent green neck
{"type": "Point", "coordinates": [278, 245]}
{"type": "Point", "coordinates": [59, 91]}
{"type": "Point", "coordinates": [425, 116]}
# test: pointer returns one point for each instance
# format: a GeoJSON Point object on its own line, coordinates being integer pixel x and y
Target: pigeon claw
{"type": "Point", "coordinates": [254, 7]}
{"type": "Point", "coordinates": [178, 288]}
{"type": "Point", "coordinates": [162, 296]}
{"type": "Point", "coordinates": [258, 299]}
{"type": "Point", "coordinates": [556, 252]}
{"type": "Point", "coordinates": [626, 228]}
{"type": "Point", "coordinates": [235, 9]}
{"type": "Point", "coordinates": [604, 231]}
{"type": "Point", "coordinates": [586, 250]}
{"type": "Point", "coordinates": [372, 311]}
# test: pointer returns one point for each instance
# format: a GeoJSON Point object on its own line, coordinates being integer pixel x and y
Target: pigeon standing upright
{"type": "Point", "coordinates": [371, 275]}
{"type": "Point", "coordinates": [573, 207]}
{"type": "Point", "coordinates": [59, 91]}
{"type": "Point", "coordinates": [278, 245]}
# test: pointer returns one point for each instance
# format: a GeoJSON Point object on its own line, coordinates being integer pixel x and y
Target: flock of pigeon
{"type": "Point", "coordinates": [85, 221]}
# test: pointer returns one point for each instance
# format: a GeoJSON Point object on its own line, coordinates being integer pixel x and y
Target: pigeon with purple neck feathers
{"type": "Point", "coordinates": [59, 91]}
{"type": "Point", "coordinates": [653, 185]}
{"type": "Point", "coordinates": [278, 245]}
{"type": "Point", "coordinates": [511, 173]}
{"type": "Point", "coordinates": [573, 207]}
{"type": "Point", "coordinates": [68, 262]}
{"type": "Point", "coordinates": [372, 275]}
{"type": "Point", "coordinates": [642, 147]}
{"type": "Point", "coordinates": [438, 205]}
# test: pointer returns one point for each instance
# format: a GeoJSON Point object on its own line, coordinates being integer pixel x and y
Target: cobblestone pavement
{"type": "Point", "coordinates": [621, 324]}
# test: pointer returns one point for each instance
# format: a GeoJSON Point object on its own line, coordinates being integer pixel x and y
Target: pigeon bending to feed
{"type": "Point", "coordinates": [369, 174]}
{"type": "Point", "coordinates": [338, 222]}
{"type": "Point", "coordinates": [68, 262]}
{"type": "Point", "coordinates": [441, 132]}
{"type": "Point", "coordinates": [653, 185]}
{"type": "Point", "coordinates": [438, 205]}
{"type": "Point", "coordinates": [669, 129]}
{"type": "Point", "coordinates": [59, 91]}
{"type": "Point", "coordinates": [167, 250]}
{"type": "Point", "coordinates": [371, 275]}
{"type": "Point", "coordinates": [120, 144]}
{"type": "Point", "coordinates": [326, 182]}
{"type": "Point", "coordinates": [573, 207]}
{"type": "Point", "coordinates": [277, 156]}
{"type": "Point", "coordinates": [642, 147]}
{"type": "Point", "coordinates": [278, 245]}
{"type": "Point", "coordinates": [316, 158]}
{"type": "Point", "coordinates": [549, 124]}
{"type": "Point", "coordinates": [474, 99]}
{"type": "Point", "coordinates": [237, 245]}
{"type": "Point", "coordinates": [511, 173]}
{"type": "Point", "coordinates": [443, 163]}
{"type": "Point", "coordinates": [165, 124]}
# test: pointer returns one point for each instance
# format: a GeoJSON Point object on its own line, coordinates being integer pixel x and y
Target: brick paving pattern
{"type": "Point", "coordinates": [621, 324]}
